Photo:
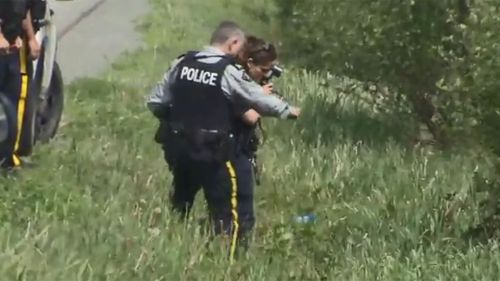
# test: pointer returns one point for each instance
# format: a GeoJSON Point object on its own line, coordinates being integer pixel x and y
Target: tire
{"type": "Point", "coordinates": [49, 116]}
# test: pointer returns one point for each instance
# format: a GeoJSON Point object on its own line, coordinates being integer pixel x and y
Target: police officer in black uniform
{"type": "Point", "coordinates": [16, 39]}
{"type": "Point", "coordinates": [196, 104]}
{"type": "Point", "coordinates": [12, 14]}
{"type": "Point", "coordinates": [258, 58]}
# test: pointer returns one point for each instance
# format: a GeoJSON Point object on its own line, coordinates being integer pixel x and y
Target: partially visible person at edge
{"type": "Point", "coordinates": [257, 58]}
{"type": "Point", "coordinates": [18, 44]}
{"type": "Point", "coordinates": [196, 104]}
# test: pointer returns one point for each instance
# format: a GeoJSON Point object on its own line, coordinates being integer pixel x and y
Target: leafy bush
{"type": "Point", "coordinates": [435, 57]}
{"type": "Point", "coordinates": [440, 59]}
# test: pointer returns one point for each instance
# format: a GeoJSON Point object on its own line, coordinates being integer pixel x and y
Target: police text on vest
{"type": "Point", "coordinates": [199, 76]}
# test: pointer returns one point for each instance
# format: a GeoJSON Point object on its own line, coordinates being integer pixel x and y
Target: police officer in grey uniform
{"type": "Point", "coordinates": [196, 104]}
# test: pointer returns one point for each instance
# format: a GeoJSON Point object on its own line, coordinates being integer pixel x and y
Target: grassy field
{"type": "Point", "coordinates": [96, 208]}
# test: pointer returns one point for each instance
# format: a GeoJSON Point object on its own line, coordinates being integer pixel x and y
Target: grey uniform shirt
{"type": "Point", "coordinates": [240, 90]}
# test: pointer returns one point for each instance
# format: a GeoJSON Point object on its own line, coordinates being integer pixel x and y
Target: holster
{"type": "Point", "coordinates": [197, 144]}
{"type": "Point", "coordinates": [250, 147]}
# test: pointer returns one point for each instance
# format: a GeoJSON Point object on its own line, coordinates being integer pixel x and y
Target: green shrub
{"type": "Point", "coordinates": [435, 57]}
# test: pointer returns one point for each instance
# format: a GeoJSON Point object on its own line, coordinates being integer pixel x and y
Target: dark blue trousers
{"type": "Point", "coordinates": [228, 188]}
{"type": "Point", "coordinates": [10, 86]}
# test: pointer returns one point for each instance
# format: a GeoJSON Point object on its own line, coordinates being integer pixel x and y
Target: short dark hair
{"type": "Point", "coordinates": [224, 31]}
{"type": "Point", "coordinates": [258, 50]}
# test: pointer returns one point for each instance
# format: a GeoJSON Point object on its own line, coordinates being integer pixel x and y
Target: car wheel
{"type": "Point", "coordinates": [50, 111]}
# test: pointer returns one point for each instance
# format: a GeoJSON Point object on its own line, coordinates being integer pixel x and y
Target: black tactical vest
{"type": "Point", "coordinates": [201, 117]}
{"type": "Point", "coordinates": [198, 101]}
{"type": "Point", "coordinates": [12, 13]}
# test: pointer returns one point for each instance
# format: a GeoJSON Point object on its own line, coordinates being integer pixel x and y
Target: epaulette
{"type": "Point", "coordinates": [245, 76]}
{"type": "Point", "coordinates": [238, 66]}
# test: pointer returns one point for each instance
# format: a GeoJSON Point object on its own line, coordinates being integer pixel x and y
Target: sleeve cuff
{"type": "Point", "coordinates": [285, 113]}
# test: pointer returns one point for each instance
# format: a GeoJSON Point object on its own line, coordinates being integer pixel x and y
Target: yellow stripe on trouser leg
{"type": "Point", "coordinates": [21, 106]}
{"type": "Point", "coordinates": [234, 209]}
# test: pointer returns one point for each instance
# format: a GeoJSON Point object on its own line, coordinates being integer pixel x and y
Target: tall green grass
{"type": "Point", "coordinates": [97, 208]}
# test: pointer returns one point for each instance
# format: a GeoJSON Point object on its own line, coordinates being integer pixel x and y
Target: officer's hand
{"type": "Point", "coordinates": [268, 88]}
{"type": "Point", "coordinates": [17, 44]}
{"type": "Point", "coordinates": [34, 47]}
{"type": "Point", "coordinates": [294, 113]}
{"type": "Point", "coordinates": [4, 44]}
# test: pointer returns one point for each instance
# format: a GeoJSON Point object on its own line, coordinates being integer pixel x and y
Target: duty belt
{"type": "Point", "coordinates": [177, 128]}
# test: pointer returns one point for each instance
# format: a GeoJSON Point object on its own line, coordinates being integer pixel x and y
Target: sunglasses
{"type": "Point", "coordinates": [266, 70]}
